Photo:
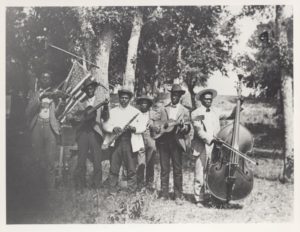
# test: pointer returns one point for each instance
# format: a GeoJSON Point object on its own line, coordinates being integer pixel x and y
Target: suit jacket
{"type": "Point", "coordinates": [80, 107]}
{"type": "Point", "coordinates": [33, 109]}
{"type": "Point", "coordinates": [182, 139]}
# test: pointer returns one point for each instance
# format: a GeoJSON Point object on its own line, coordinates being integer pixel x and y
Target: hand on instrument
{"type": "Point", "coordinates": [117, 130]}
{"type": "Point", "coordinates": [217, 142]}
{"type": "Point", "coordinates": [132, 129]}
{"type": "Point", "coordinates": [184, 129]}
{"type": "Point", "coordinates": [156, 129]}
{"type": "Point", "coordinates": [166, 125]}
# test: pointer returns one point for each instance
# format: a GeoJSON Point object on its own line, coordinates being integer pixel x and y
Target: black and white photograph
{"type": "Point", "coordinates": [149, 113]}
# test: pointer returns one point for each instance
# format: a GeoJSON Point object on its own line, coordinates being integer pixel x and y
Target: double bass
{"type": "Point", "coordinates": [228, 176]}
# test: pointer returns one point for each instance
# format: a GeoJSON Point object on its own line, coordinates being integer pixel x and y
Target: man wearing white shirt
{"type": "Point", "coordinates": [129, 142]}
{"type": "Point", "coordinates": [206, 123]}
{"type": "Point", "coordinates": [146, 157]}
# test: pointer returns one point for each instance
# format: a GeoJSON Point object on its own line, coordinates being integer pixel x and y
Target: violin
{"type": "Point", "coordinates": [228, 176]}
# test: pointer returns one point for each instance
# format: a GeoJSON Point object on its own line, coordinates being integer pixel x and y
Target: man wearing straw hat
{"type": "Point", "coordinates": [206, 123]}
{"type": "Point", "coordinates": [88, 136]}
{"type": "Point", "coordinates": [146, 157]}
{"type": "Point", "coordinates": [171, 145]}
{"type": "Point", "coordinates": [127, 127]}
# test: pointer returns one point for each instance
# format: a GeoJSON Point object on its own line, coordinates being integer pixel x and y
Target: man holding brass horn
{"type": "Point", "coordinates": [88, 134]}
{"type": "Point", "coordinates": [44, 128]}
{"type": "Point", "coordinates": [124, 132]}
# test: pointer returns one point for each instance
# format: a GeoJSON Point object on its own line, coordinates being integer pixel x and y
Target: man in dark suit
{"type": "Point", "coordinates": [44, 128]}
{"type": "Point", "coordinates": [171, 145]}
{"type": "Point", "coordinates": [88, 136]}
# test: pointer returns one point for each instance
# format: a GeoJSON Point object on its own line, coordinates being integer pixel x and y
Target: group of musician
{"type": "Point", "coordinates": [131, 135]}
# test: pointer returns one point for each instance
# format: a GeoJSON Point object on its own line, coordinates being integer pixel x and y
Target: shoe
{"type": "Point", "coordinates": [179, 201]}
{"type": "Point", "coordinates": [199, 204]}
{"type": "Point", "coordinates": [164, 197]}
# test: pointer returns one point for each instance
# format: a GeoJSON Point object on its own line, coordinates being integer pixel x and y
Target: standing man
{"type": "Point", "coordinates": [146, 157]}
{"type": "Point", "coordinates": [206, 123]}
{"type": "Point", "coordinates": [172, 144]}
{"type": "Point", "coordinates": [129, 140]}
{"type": "Point", "coordinates": [44, 128]}
{"type": "Point", "coordinates": [88, 136]}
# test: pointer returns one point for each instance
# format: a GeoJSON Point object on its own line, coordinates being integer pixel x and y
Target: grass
{"type": "Point", "coordinates": [266, 203]}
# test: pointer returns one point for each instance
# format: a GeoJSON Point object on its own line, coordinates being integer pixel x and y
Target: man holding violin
{"type": "Point", "coordinates": [88, 135]}
{"type": "Point", "coordinates": [172, 144]}
{"type": "Point", "coordinates": [44, 128]}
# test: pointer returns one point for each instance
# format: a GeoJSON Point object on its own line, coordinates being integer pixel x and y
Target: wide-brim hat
{"type": "Point", "coordinates": [213, 92]}
{"type": "Point", "coordinates": [126, 91]}
{"type": "Point", "coordinates": [146, 98]}
{"type": "Point", "coordinates": [177, 88]}
{"type": "Point", "coordinates": [89, 82]}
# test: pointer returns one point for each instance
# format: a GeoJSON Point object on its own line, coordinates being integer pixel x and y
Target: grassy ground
{"type": "Point", "coordinates": [269, 201]}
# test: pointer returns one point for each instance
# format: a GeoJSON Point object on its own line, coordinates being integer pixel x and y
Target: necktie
{"type": "Point", "coordinates": [207, 110]}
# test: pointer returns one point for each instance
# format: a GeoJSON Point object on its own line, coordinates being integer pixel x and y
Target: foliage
{"type": "Point", "coordinates": [270, 57]}
{"type": "Point", "coordinates": [27, 29]}
{"type": "Point", "coordinates": [188, 42]}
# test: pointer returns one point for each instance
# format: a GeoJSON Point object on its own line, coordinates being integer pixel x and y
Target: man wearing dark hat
{"type": "Point", "coordinates": [129, 141]}
{"type": "Point", "coordinates": [172, 145]}
{"type": "Point", "coordinates": [146, 157]}
{"type": "Point", "coordinates": [206, 123]}
{"type": "Point", "coordinates": [88, 136]}
{"type": "Point", "coordinates": [44, 128]}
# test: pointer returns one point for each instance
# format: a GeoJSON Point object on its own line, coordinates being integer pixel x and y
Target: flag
{"type": "Point", "coordinates": [76, 74]}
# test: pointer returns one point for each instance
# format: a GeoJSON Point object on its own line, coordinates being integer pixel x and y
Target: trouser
{"type": "Point", "coordinates": [146, 161]}
{"type": "Point", "coordinates": [169, 150]}
{"type": "Point", "coordinates": [199, 174]}
{"type": "Point", "coordinates": [88, 141]}
{"type": "Point", "coordinates": [45, 151]}
{"type": "Point", "coordinates": [199, 181]}
{"type": "Point", "coordinates": [123, 154]}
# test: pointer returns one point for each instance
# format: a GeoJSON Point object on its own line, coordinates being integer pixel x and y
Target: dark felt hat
{"type": "Point", "coordinates": [213, 92]}
{"type": "Point", "coordinates": [87, 83]}
{"type": "Point", "coordinates": [146, 98]}
{"type": "Point", "coordinates": [125, 90]}
{"type": "Point", "coordinates": [177, 88]}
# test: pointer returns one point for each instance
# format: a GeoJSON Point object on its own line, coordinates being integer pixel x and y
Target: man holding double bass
{"type": "Point", "coordinates": [171, 128]}
{"type": "Point", "coordinates": [206, 124]}
{"type": "Point", "coordinates": [88, 135]}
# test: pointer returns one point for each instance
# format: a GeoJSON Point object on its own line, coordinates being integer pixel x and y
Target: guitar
{"type": "Point", "coordinates": [166, 127]}
{"type": "Point", "coordinates": [114, 137]}
{"type": "Point", "coordinates": [88, 114]}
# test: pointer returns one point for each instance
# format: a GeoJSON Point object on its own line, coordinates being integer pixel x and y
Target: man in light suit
{"type": "Point", "coordinates": [206, 123]}
{"type": "Point", "coordinates": [171, 145]}
{"type": "Point", "coordinates": [88, 136]}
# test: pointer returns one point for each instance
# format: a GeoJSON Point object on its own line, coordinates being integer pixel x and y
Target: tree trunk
{"type": "Point", "coordinates": [129, 78]}
{"type": "Point", "coordinates": [102, 61]}
{"type": "Point", "coordinates": [286, 92]}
